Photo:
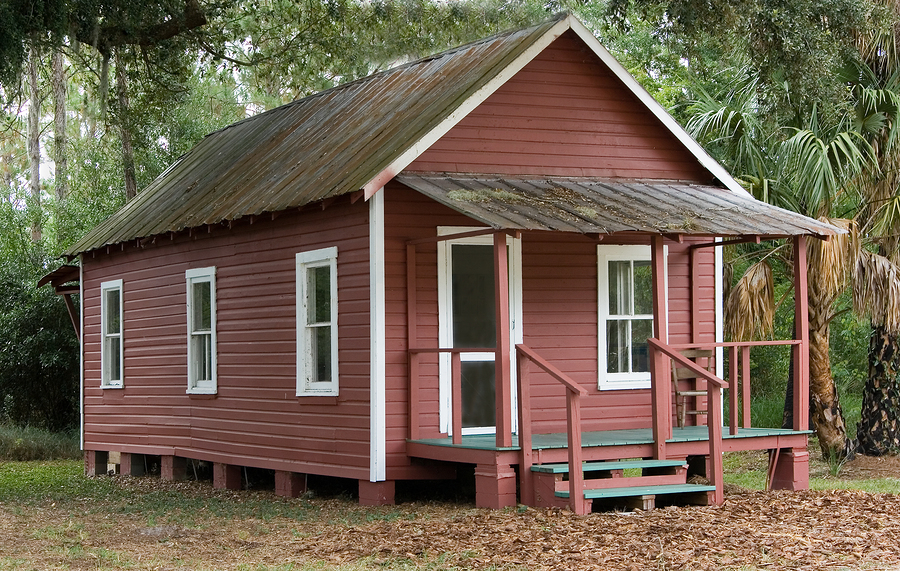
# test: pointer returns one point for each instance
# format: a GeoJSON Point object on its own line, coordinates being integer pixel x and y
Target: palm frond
{"type": "Point", "coordinates": [750, 305]}
{"type": "Point", "coordinates": [876, 290]}
{"type": "Point", "coordinates": [830, 261]}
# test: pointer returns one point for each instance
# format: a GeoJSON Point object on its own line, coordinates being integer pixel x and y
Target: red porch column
{"type": "Point", "coordinates": [501, 358]}
{"type": "Point", "coordinates": [801, 352]}
{"type": "Point", "coordinates": [495, 486]}
{"type": "Point", "coordinates": [662, 408]}
{"type": "Point", "coordinates": [791, 470]}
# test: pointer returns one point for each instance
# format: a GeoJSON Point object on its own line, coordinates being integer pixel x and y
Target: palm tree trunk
{"type": "Point", "coordinates": [878, 431]}
{"type": "Point", "coordinates": [825, 407]}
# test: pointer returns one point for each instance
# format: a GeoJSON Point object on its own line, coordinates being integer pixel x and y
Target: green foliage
{"type": "Point", "coordinates": [27, 443]}
{"type": "Point", "coordinates": [39, 376]}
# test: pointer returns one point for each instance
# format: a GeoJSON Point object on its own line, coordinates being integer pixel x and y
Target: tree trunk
{"type": "Point", "coordinates": [34, 145]}
{"type": "Point", "coordinates": [825, 407]}
{"type": "Point", "coordinates": [125, 129]}
{"type": "Point", "coordinates": [59, 83]}
{"type": "Point", "coordinates": [878, 431]}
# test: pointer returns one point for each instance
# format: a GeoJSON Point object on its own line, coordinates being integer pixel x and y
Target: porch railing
{"type": "Point", "coordinates": [574, 392]}
{"type": "Point", "coordinates": [455, 388]}
{"type": "Point", "coordinates": [662, 417]}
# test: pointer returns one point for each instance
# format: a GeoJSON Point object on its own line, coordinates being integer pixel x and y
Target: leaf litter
{"type": "Point", "coordinates": [810, 530]}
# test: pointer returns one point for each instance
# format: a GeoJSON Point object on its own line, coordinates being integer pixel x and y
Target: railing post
{"type": "Point", "coordinates": [714, 422]}
{"type": "Point", "coordinates": [526, 478]}
{"type": "Point", "coordinates": [414, 428]}
{"type": "Point", "coordinates": [745, 387]}
{"type": "Point", "coordinates": [662, 419]}
{"type": "Point", "coordinates": [412, 338]}
{"type": "Point", "coordinates": [576, 473]}
{"type": "Point", "coordinates": [733, 391]}
{"type": "Point", "coordinates": [456, 395]}
{"type": "Point", "coordinates": [801, 332]}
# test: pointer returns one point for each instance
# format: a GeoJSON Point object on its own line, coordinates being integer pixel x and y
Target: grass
{"type": "Point", "coordinates": [23, 444]}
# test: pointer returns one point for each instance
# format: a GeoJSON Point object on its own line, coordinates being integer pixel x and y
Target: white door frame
{"type": "Point", "coordinates": [445, 323]}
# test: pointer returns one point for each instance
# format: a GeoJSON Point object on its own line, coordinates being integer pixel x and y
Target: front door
{"type": "Point", "coordinates": [468, 315]}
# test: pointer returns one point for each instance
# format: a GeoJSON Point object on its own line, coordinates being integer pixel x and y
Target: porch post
{"type": "Point", "coordinates": [662, 408]}
{"type": "Point", "coordinates": [501, 357]}
{"type": "Point", "coordinates": [801, 352]}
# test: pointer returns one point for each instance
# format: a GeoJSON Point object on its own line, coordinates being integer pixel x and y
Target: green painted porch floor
{"type": "Point", "coordinates": [606, 438]}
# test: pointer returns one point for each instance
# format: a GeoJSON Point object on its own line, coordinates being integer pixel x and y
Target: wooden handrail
{"type": "Point", "coordinates": [574, 392]}
{"type": "Point", "coordinates": [713, 411]}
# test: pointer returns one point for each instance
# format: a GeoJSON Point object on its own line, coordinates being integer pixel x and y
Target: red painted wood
{"type": "Point", "coordinates": [255, 419]}
{"type": "Point", "coordinates": [576, 475]}
{"type": "Point", "coordinates": [503, 382]}
{"type": "Point", "coordinates": [659, 377]}
{"type": "Point", "coordinates": [412, 340]}
{"type": "Point", "coordinates": [526, 476]}
{"type": "Point", "coordinates": [801, 324]}
{"type": "Point", "coordinates": [563, 114]}
{"type": "Point", "coordinates": [714, 414]}
{"type": "Point", "coordinates": [745, 387]}
{"type": "Point", "coordinates": [733, 379]}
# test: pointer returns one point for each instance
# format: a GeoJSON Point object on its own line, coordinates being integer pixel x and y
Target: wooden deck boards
{"type": "Point", "coordinates": [638, 436]}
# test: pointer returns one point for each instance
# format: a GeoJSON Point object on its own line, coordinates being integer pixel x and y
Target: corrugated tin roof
{"type": "Point", "coordinates": [591, 206]}
{"type": "Point", "coordinates": [325, 145]}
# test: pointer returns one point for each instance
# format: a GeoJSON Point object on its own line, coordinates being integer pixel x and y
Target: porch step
{"type": "Point", "coordinates": [596, 494]}
{"type": "Point", "coordinates": [587, 467]}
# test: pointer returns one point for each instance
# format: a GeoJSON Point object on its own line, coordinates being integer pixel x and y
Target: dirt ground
{"type": "Point", "coordinates": [752, 530]}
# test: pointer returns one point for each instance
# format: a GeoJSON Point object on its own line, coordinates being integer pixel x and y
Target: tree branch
{"type": "Point", "coordinates": [109, 37]}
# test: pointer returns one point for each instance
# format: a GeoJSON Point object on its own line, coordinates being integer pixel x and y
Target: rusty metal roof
{"type": "Point", "coordinates": [589, 206]}
{"type": "Point", "coordinates": [324, 145]}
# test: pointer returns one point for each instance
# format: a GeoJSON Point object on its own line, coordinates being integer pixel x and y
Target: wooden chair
{"type": "Point", "coordinates": [682, 377]}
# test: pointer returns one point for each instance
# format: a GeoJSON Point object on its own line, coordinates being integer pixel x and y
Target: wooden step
{"type": "Point", "coordinates": [641, 491]}
{"type": "Point", "coordinates": [587, 467]}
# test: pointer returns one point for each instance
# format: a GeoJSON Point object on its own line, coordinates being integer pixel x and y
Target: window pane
{"type": "Point", "coordinates": [113, 362]}
{"type": "Point", "coordinates": [202, 306]}
{"type": "Point", "coordinates": [619, 287]}
{"type": "Point", "coordinates": [478, 394]}
{"type": "Point", "coordinates": [474, 313]}
{"type": "Point", "coordinates": [201, 355]}
{"type": "Point", "coordinates": [616, 346]}
{"type": "Point", "coordinates": [113, 318]}
{"type": "Point", "coordinates": [319, 291]}
{"type": "Point", "coordinates": [641, 330]}
{"type": "Point", "coordinates": [320, 352]}
{"type": "Point", "coordinates": [643, 288]}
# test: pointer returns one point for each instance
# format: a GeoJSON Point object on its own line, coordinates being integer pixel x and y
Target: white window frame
{"type": "Point", "coordinates": [306, 386]}
{"type": "Point", "coordinates": [194, 385]}
{"type": "Point", "coordinates": [105, 381]}
{"type": "Point", "coordinates": [606, 253]}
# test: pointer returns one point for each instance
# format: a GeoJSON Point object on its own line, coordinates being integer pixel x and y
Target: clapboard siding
{"type": "Point", "coordinates": [255, 419]}
{"type": "Point", "coordinates": [560, 316]}
{"type": "Point", "coordinates": [564, 114]}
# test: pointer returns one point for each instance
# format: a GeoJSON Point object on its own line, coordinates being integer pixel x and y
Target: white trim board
{"type": "Point", "coordinates": [378, 343]}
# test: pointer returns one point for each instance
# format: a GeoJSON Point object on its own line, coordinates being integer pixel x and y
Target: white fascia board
{"type": "Point", "coordinates": [378, 343]}
{"type": "Point", "coordinates": [474, 100]}
{"type": "Point", "coordinates": [653, 105]}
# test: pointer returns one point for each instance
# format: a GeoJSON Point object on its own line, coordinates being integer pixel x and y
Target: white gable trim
{"type": "Point", "coordinates": [569, 23]}
{"type": "Point", "coordinates": [474, 100]}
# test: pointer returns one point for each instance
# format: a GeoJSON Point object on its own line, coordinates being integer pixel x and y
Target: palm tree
{"type": "Point", "coordinates": [811, 168]}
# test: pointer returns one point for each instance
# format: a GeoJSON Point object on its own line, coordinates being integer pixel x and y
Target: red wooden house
{"type": "Point", "coordinates": [488, 256]}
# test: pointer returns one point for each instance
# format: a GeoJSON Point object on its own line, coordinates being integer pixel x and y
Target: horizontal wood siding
{"type": "Point", "coordinates": [560, 317]}
{"type": "Point", "coordinates": [563, 114]}
{"type": "Point", "coordinates": [255, 419]}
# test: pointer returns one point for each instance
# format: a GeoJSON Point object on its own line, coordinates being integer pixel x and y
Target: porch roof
{"type": "Point", "coordinates": [592, 206]}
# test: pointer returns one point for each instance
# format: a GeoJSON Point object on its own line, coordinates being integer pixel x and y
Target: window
{"type": "Point", "coordinates": [111, 350]}
{"type": "Point", "coordinates": [625, 316]}
{"type": "Point", "coordinates": [201, 324]}
{"type": "Point", "coordinates": [317, 362]}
